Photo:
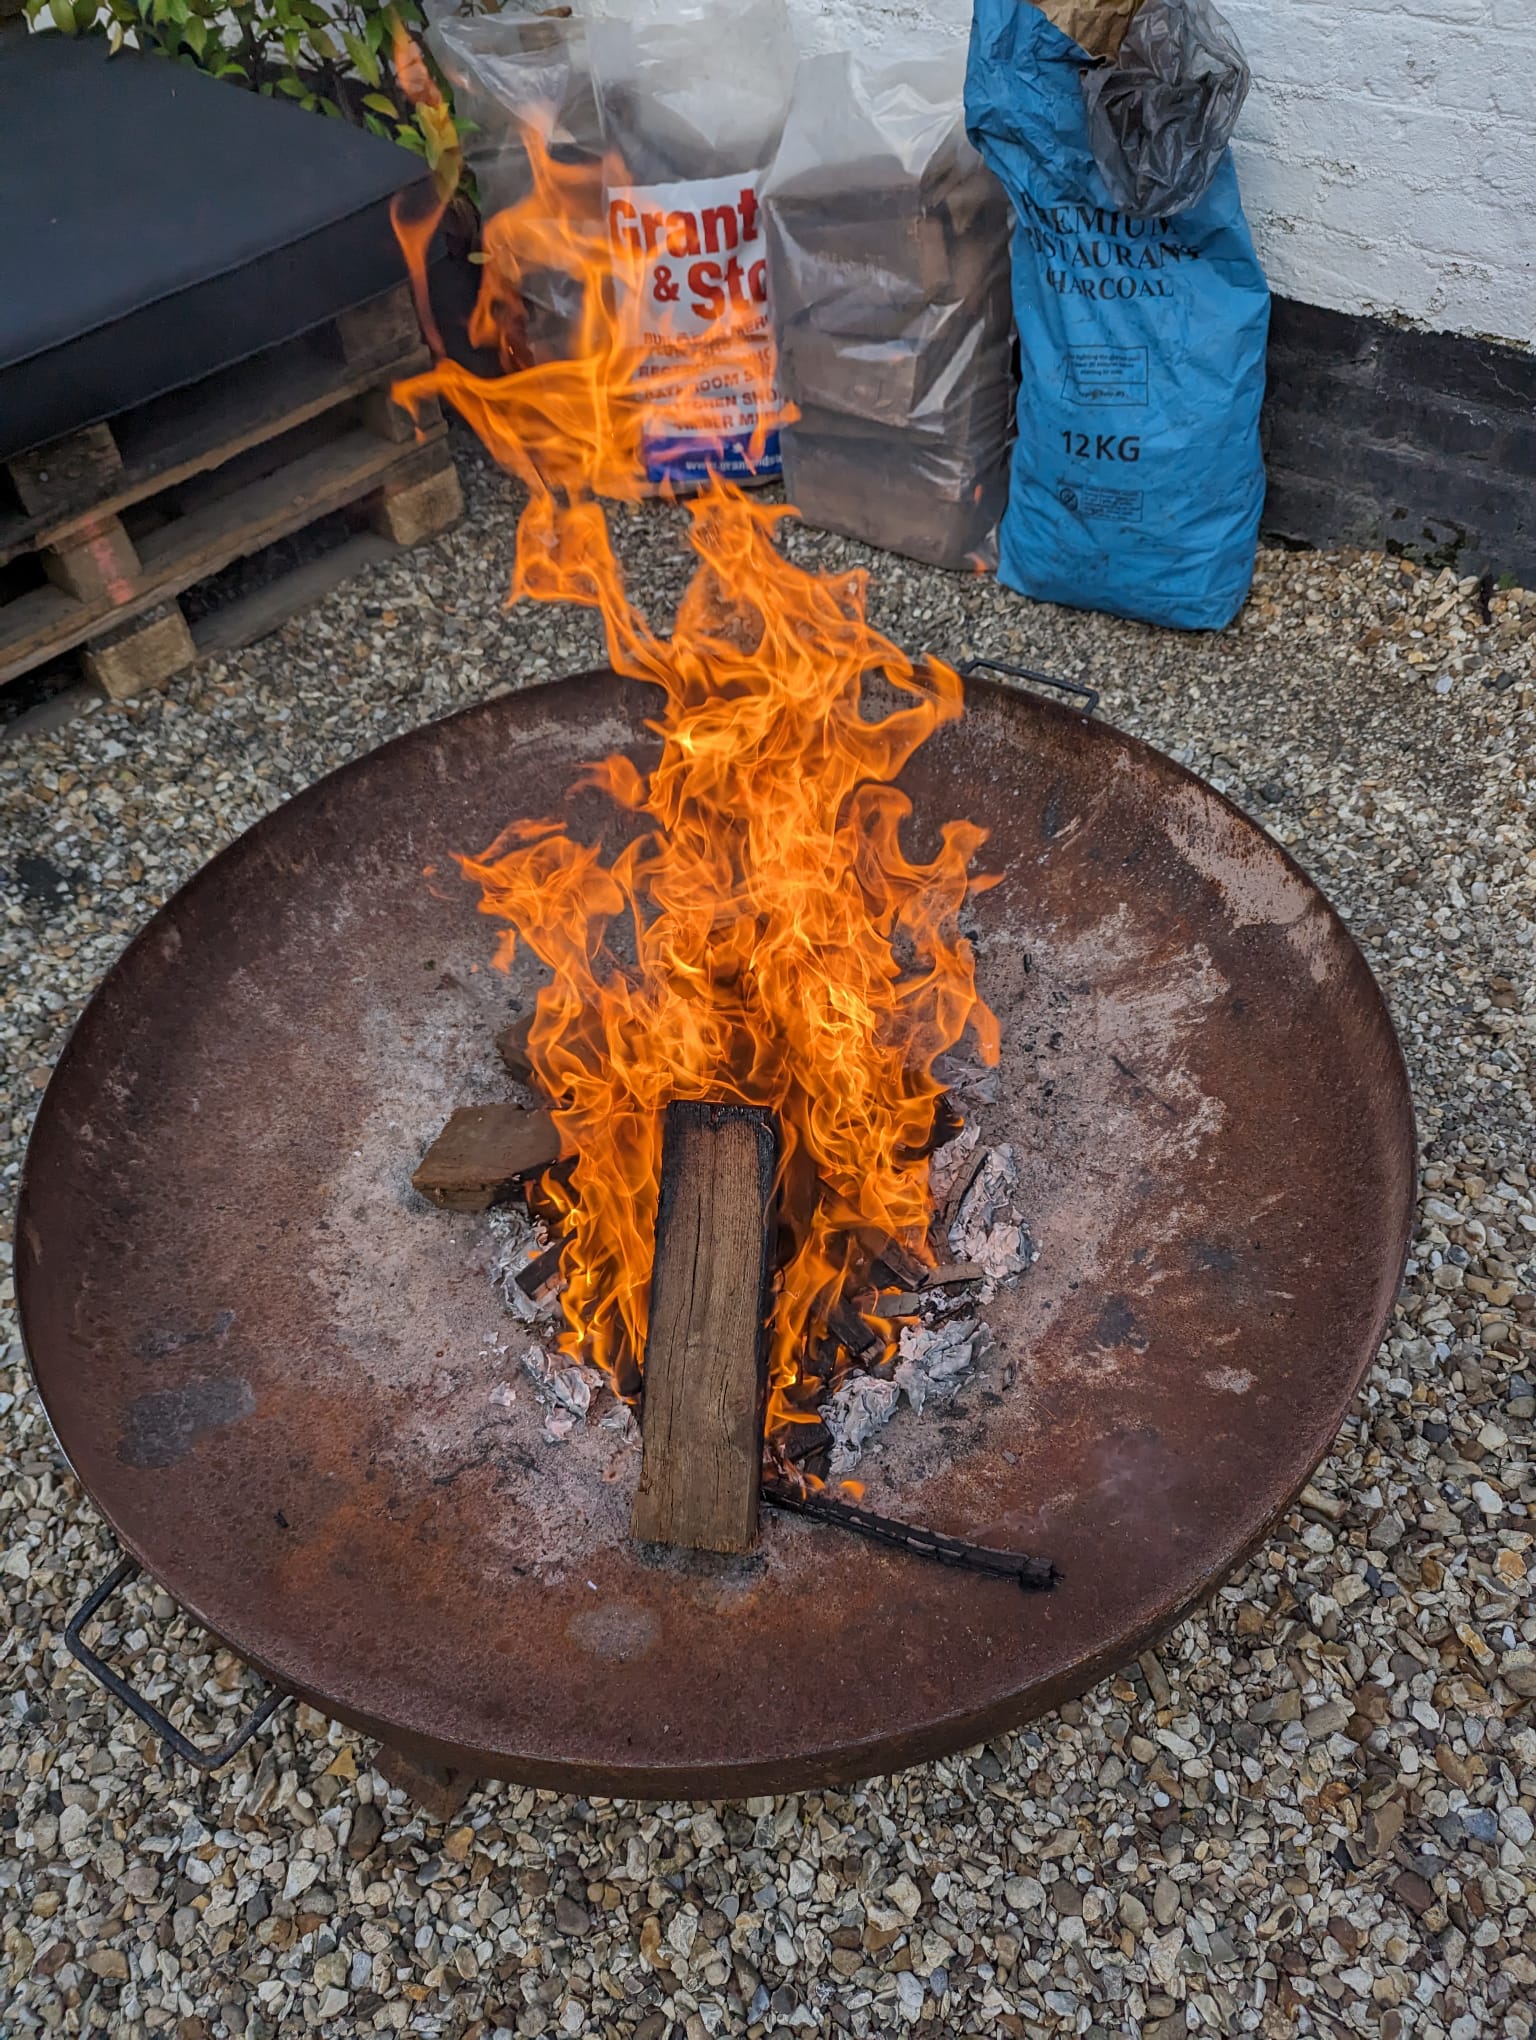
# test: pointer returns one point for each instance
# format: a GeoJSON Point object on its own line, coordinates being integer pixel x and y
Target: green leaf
{"type": "Point", "coordinates": [63, 16]}
{"type": "Point", "coordinates": [365, 62]}
{"type": "Point", "coordinates": [290, 88]}
{"type": "Point", "coordinates": [380, 104]}
{"type": "Point", "coordinates": [410, 138]}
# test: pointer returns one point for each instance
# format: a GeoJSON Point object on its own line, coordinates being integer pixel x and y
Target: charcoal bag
{"type": "Point", "coordinates": [1137, 479]}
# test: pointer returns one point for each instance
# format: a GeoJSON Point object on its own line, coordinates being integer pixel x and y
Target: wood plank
{"type": "Point", "coordinates": [482, 1152]}
{"type": "Point", "coordinates": [191, 430]}
{"type": "Point", "coordinates": [97, 564]}
{"type": "Point", "coordinates": [705, 1355]}
{"type": "Point", "coordinates": [408, 512]}
{"type": "Point", "coordinates": [74, 469]}
{"type": "Point", "coordinates": [142, 654]}
{"type": "Point", "coordinates": [383, 326]}
{"type": "Point", "coordinates": [45, 621]}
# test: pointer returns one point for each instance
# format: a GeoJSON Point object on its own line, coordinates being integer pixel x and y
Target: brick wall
{"type": "Point", "coordinates": [1387, 156]}
{"type": "Point", "coordinates": [1379, 435]}
{"type": "Point", "coordinates": [1387, 151]}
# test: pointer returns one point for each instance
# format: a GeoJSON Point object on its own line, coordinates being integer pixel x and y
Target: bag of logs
{"type": "Point", "coordinates": [691, 96]}
{"type": "Point", "coordinates": [523, 67]}
{"type": "Point", "coordinates": [888, 277]}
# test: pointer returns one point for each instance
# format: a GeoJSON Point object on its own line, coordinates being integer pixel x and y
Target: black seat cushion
{"type": "Point", "coordinates": [157, 224]}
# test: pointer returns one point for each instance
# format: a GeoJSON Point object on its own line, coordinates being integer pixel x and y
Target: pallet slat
{"type": "Point", "coordinates": [192, 430]}
{"type": "Point", "coordinates": [46, 621]}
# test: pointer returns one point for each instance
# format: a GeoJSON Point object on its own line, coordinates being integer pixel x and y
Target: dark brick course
{"type": "Point", "coordinates": [1421, 442]}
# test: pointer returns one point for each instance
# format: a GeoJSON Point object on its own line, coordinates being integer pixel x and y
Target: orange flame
{"type": "Point", "coordinates": [764, 938]}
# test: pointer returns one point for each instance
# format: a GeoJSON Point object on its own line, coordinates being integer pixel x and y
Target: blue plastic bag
{"type": "Point", "coordinates": [1137, 477]}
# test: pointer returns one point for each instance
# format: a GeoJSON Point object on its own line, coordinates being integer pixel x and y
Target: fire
{"type": "Point", "coordinates": [763, 938]}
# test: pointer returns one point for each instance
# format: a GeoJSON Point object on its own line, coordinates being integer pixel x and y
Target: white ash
{"type": "Point", "coordinates": [564, 1387]}
{"type": "Point", "coordinates": [935, 1359]}
{"type": "Point", "coordinates": [963, 1078]}
{"type": "Point", "coordinates": [854, 1412]}
{"type": "Point", "coordinates": [520, 1241]}
{"type": "Point", "coordinates": [947, 1165]}
{"type": "Point", "coordinates": [620, 1419]}
{"type": "Point", "coordinates": [987, 1229]}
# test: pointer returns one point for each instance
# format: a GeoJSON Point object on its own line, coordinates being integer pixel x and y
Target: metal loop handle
{"type": "Point", "coordinates": [147, 1712]}
{"type": "Point", "coordinates": [1089, 696]}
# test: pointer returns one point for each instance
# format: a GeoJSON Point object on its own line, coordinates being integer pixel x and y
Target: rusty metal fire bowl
{"type": "Point", "coordinates": [275, 1369]}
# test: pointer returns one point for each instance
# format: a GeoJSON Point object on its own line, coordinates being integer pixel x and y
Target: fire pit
{"type": "Point", "coordinates": [288, 1384]}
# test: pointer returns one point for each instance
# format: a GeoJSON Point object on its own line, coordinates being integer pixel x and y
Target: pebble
{"type": "Point", "coordinates": [1191, 1848]}
{"type": "Point", "coordinates": [1329, 1719]}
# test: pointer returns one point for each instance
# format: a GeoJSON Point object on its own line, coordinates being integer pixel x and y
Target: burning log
{"type": "Point", "coordinates": [891, 1259]}
{"type": "Point", "coordinates": [852, 1334]}
{"type": "Point", "coordinates": [482, 1152]}
{"type": "Point", "coordinates": [705, 1356]}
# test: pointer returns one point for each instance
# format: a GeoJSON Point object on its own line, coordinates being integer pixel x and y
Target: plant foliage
{"type": "Point", "coordinates": [332, 58]}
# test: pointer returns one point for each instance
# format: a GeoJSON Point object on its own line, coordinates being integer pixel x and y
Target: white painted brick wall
{"type": "Point", "coordinates": [1387, 151]}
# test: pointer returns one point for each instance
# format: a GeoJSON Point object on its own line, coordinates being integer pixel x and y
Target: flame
{"type": "Point", "coordinates": [763, 938]}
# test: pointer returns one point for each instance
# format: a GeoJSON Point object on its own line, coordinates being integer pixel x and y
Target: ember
{"type": "Point", "coordinates": [767, 942]}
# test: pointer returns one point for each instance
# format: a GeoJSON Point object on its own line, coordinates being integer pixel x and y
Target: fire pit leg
{"type": "Point", "coordinates": [705, 1377]}
{"type": "Point", "coordinates": [438, 1791]}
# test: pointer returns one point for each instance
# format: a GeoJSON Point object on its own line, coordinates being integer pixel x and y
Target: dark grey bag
{"type": "Point", "coordinates": [1161, 114]}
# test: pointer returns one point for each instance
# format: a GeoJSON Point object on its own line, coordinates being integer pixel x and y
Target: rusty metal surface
{"type": "Point", "coordinates": [276, 1370]}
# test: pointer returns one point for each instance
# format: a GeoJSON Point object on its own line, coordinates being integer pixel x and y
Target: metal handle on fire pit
{"type": "Point", "coordinates": [1089, 696]}
{"type": "Point", "coordinates": [148, 1713]}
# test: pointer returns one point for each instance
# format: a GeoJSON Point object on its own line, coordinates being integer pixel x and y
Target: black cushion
{"type": "Point", "coordinates": [157, 224]}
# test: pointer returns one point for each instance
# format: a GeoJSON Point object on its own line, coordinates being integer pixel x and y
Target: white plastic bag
{"type": "Point", "coordinates": [691, 97]}
{"type": "Point", "coordinates": [518, 68]}
{"type": "Point", "coordinates": [889, 275]}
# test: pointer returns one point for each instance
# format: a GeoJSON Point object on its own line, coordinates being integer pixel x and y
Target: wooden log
{"type": "Point", "coordinates": [890, 1257]}
{"type": "Point", "coordinates": [482, 1152]}
{"type": "Point", "coordinates": [705, 1354]}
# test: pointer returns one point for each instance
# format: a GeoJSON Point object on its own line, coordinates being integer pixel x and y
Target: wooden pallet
{"type": "Point", "coordinates": [105, 529]}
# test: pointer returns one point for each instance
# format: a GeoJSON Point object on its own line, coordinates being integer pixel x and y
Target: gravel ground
{"type": "Point", "coordinates": [1310, 1812]}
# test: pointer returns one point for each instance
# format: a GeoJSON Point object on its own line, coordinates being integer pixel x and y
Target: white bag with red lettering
{"type": "Point", "coordinates": [691, 96]}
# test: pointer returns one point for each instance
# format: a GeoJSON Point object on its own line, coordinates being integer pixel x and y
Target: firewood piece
{"type": "Point", "coordinates": [851, 1332]}
{"type": "Point", "coordinates": [705, 1354]}
{"type": "Point", "coordinates": [893, 1259]}
{"type": "Point", "coordinates": [512, 1047]}
{"type": "Point", "coordinates": [481, 1152]}
{"type": "Point", "coordinates": [947, 1122]}
{"type": "Point", "coordinates": [960, 1189]}
{"type": "Point", "coordinates": [954, 1272]}
{"type": "Point", "coordinates": [541, 1269]}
